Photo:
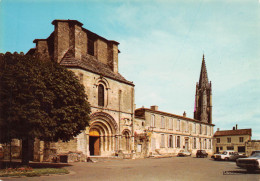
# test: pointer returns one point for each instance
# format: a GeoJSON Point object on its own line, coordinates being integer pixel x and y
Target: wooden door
{"type": "Point", "coordinates": [96, 146]}
{"type": "Point", "coordinates": [94, 142]}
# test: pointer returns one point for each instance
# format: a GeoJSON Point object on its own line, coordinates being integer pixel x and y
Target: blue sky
{"type": "Point", "coordinates": [161, 44]}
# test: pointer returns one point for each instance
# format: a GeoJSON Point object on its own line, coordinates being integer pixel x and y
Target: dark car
{"type": "Point", "coordinates": [201, 154]}
{"type": "Point", "coordinates": [1, 152]}
{"type": "Point", "coordinates": [236, 156]}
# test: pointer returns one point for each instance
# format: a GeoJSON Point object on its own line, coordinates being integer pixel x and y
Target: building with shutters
{"type": "Point", "coordinates": [169, 133]}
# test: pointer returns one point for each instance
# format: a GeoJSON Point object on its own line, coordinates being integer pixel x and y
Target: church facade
{"type": "Point", "coordinates": [94, 60]}
{"type": "Point", "coordinates": [116, 128]}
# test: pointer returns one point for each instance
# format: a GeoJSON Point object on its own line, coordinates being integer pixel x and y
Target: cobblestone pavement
{"type": "Point", "coordinates": [176, 168]}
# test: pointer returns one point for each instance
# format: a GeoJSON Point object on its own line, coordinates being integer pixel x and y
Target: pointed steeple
{"type": "Point", "coordinates": [203, 97]}
{"type": "Point", "coordinates": [203, 74]}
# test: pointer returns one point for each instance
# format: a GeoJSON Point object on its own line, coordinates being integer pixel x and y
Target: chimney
{"type": "Point", "coordinates": [236, 126]}
{"type": "Point", "coordinates": [184, 114]}
{"type": "Point", "coordinates": [154, 108]}
{"type": "Point", "coordinates": [218, 129]}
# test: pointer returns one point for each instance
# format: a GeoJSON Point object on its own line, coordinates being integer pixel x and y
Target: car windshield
{"type": "Point", "coordinates": [257, 154]}
{"type": "Point", "coordinates": [224, 153]}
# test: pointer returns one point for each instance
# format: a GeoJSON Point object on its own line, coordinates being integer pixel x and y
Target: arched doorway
{"type": "Point", "coordinates": [126, 140]}
{"type": "Point", "coordinates": [102, 134]}
{"type": "Point", "coordinates": [94, 142]}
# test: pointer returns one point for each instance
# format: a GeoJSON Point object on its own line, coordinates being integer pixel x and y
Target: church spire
{"type": "Point", "coordinates": [203, 74]}
{"type": "Point", "coordinates": [203, 97]}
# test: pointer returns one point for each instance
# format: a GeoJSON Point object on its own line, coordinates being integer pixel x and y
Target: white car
{"type": "Point", "coordinates": [184, 153]}
{"type": "Point", "coordinates": [225, 155]}
{"type": "Point", "coordinates": [251, 163]}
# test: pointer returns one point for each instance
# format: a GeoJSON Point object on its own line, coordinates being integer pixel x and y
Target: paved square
{"type": "Point", "coordinates": [176, 168]}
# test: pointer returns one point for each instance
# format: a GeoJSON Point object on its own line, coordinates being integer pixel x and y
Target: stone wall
{"type": "Point", "coordinates": [69, 35]}
{"type": "Point", "coordinates": [252, 145]}
{"type": "Point", "coordinates": [61, 40]}
{"type": "Point", "coordinates": [112, 92]}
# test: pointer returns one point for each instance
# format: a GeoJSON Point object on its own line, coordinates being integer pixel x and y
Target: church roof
{"type": "Point", "coordinates": [203, 73]}
{"type": "Point", "coordinates": [233, 132]}
{"type": "Point", "coordinates": [90, 63]}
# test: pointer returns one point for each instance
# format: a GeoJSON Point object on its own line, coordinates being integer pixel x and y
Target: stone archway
{"type": "Point", "coordinates": [126, 135]}
{"type": "Point", "coordinates": [102, 133]}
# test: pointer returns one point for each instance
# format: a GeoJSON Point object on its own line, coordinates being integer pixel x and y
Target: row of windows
{"type": "Point", "coordinates": [239, 148]}
{"type": "Point", "coordinates": [197, 143]}
{"type": "Point", "coordinates": [229, 140]}
{"type": "Point", "coordinates": [178, 125]}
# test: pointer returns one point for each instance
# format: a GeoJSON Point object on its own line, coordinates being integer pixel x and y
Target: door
{"type": "Point", "coordinates": [217, 149]}
{"type": "Point", "coordinates": [186, 144]}
{"type": "Point", "coordinates": [94, 142]}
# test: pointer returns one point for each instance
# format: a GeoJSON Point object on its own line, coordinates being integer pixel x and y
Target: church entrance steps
{"type": "Point", "coordinates": [102, 158]}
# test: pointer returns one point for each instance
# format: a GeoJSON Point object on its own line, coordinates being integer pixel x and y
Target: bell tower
{"type": "Point", "coordinates": [203, 97]}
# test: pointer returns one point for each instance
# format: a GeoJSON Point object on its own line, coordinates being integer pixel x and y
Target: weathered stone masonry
{"type": "Point", "coordinates": [116, 128]}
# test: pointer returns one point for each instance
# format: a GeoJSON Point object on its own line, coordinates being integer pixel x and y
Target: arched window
{"type": "Point", "coordinates": [101, 96]}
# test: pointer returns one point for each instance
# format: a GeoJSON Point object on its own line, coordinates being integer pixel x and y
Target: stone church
{"type": "Point", "coordinates": [94, 60]}
{"type": "Point", "coordinates": [116, 128]}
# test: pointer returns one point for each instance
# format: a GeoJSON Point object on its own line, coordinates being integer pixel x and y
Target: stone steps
{"type": "Point", "coordinates": [101, 158]}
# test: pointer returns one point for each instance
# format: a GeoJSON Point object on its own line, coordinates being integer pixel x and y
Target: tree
{"type": "Point", "coordinates": [39, 100]}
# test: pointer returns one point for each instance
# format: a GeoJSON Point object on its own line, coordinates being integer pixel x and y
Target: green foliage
{"type": "Point", "coordinates": [40, 100]}
{"type": "Point", "coordinates": [29, 172]}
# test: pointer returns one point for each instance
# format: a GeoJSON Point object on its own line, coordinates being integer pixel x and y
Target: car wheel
{"type": "Point", "coordinates": [226, 159]}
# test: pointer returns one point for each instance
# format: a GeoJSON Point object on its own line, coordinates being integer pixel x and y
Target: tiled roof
{"type": "Point", "coordinates": [91, 64]}
{"type": "Point", "coordinates": [233, 132]}
{"type": "Point", "coordinates": [140, 113]}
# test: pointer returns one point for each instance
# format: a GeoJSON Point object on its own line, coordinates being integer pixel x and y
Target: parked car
{"type": "Point", "coordinates": [215, 155]}
{"type": "Point", "coordinates": [253, 152]}
{"type": "Point", "coordinates": [236, 156]}
{"type": "Point", "coordinates": [225, 155]}
{"type": "Point", "coordinates": [251, 163]}
{"type": "Point", "coordinates": [201, 154]}
{"type": "Point", "coordinates": [1, 152]}
{"type": "Point", "coordinates": [184, 153]}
